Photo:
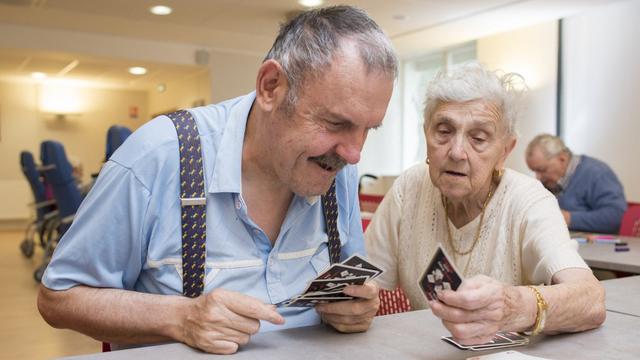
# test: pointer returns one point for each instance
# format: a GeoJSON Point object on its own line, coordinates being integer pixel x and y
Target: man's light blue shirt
{"type": "Point", "coordinates": [126, 233]}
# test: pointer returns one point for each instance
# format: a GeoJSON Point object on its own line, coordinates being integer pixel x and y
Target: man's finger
{"type": "Point", "coordinates": [350, 307]}
{"type": "Point", "coordinates": [367, 291]}
{"type": "Point", "coordinates": [251, 307]}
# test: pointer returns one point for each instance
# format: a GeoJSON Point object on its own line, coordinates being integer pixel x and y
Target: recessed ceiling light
{"type": "Point", "coordinates": [310, 3]}
{"type": "Point", "coordinates": [38, 75]}
{"type": "Point", "coordinates": [137, 70]}
{"type": "Point", "coordinates": [161, 10]}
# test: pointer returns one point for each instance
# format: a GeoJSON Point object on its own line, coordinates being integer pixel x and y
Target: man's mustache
{"type": "Point", "coordinates": [331, 160]}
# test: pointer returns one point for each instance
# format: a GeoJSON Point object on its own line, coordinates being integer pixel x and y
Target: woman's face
{"type": "Point", "coordinates": [466, 141]}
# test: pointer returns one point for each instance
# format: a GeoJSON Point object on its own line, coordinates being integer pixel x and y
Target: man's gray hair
{"type": "Point", "coordinates": [473, 81]}
{"type": "Point", "coordinates": [306, 44]}
{"type": "Point", "coordinates": [549, 145]}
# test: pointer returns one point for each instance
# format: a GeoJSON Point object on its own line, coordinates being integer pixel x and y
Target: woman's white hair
{"type": "Point", "coordinates": [473, 81]}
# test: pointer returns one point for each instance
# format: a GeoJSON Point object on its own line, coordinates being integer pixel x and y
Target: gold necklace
{"type": "Point", "coordinates": [477, 237]}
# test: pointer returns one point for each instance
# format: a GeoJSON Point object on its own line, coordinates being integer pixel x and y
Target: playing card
{"type": "Point", "coordinates": [311, 302]}
{"type": "Point", "coordinates": [339, 271]}
{"type": "Point", "coordinates": [333, 285]}
{"type": "Point", "coordinates": [441, 274]}
{"type": "Point", "coordinates": [514, 336]}
{"type": "Point", "coordinates": [506, 355]}
{"type": "Point", "coordinates": [357, 261]}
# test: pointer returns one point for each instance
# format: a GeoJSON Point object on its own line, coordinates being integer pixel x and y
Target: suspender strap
{"type": "Point", "coordinates": [193, 203]}
{"type": "Point", "coordinates": [330, 209]}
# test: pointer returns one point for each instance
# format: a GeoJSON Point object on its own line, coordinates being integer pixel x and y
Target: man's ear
{"type": "Point", "coordinates": [271, 85]}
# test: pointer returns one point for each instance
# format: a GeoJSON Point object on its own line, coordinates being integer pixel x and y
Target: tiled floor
{"type": "Point", "coordinates": [23, 333]}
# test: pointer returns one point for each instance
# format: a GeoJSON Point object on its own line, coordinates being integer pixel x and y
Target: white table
{"type": "Point", "coordinates": [412, 335]}
{"type": "Point", "coordinates": [604, 256]}
{"type": "Point", "coordinates": [623, 295]}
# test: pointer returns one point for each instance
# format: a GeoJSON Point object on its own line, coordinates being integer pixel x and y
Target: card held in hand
{"type": "Point", "coordinates": [441, 274]}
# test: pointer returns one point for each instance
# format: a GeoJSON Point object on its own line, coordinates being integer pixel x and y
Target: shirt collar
{"type": "Point", "coordinates": [227, 171]}
{"type": "Point", "coordinates": [571, 169]}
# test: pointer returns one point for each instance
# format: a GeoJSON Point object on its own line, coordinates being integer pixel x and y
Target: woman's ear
{"type": "Point", "coordinates": [271, 85]}
{"type": "Point", "coordinates": [510, 144]}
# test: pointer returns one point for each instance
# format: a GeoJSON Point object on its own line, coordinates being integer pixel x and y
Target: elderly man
{"type": "Point", "coordinates": [260, 163]}
{"type": "Point", "coordinates": [589, 193]}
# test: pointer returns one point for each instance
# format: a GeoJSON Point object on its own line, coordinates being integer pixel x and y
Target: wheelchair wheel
{"type": "Point", "coordinates": [27, 247]}
{"type": "Point", "coordinates": [37, 275]}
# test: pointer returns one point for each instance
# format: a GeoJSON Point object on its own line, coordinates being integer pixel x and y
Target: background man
{"type": "Point", "coordinates": [589, 193]}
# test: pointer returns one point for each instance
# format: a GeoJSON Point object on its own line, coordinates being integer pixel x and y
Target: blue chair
{"type": "Point", "coordinates": [116, 135]}
{"type": "Point", "coordinates": [57, 172]}
{"type": "Point", "coordinates": [45, 209]}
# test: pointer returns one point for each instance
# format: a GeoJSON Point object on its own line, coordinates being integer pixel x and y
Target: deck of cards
{"type": "Point", "coordinates": [500, 340]}
{"type": "Point", "coordinates": [329, 285]}
{"type": "Point", "coordinates": [441, 274]}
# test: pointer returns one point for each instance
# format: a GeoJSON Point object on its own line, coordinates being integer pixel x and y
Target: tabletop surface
{"type": "Point", "coordinates": [623, 295]}
{"type": "Point", "coordinates": [411, 335]}
{"type": "Point", "coordinates": [604, 256]}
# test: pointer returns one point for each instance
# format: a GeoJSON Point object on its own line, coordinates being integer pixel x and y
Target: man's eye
{"type": "Point", "coordinates": [479, 140]}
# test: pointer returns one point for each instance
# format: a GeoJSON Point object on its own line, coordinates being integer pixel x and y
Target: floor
{"type": "Point", "coordinates": [23, 334]}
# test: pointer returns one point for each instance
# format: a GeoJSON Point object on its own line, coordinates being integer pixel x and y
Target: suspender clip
{"type": "Point", "coordinates": [193, 201]}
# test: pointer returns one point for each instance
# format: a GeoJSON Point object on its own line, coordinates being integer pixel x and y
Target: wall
{"type": "Point", "coordinates": [181, 94]}
{"type": "Point", "coordinates": [23, 127]}
{"type": "Point", "coordinates": [601, 88]}
{"type": "Point", "coordinates": [531, 52]}
{"type": "Point", "coordinates": [233, 75]}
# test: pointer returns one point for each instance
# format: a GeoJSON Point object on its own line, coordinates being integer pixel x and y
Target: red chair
{"type": "Point", "coordinates": [630, 225]}
{"type": "Point", "coordinates": [369, 203]}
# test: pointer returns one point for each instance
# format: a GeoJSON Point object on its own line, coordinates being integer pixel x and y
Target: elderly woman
{"type": "Point", "coordinates": [503, 230]}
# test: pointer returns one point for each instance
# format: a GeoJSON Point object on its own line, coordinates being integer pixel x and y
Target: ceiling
{"type": "Point", "coordinates": [242, 26]}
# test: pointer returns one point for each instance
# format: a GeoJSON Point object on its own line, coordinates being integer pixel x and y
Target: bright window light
{"type": "Point", "coordinates": [137, 70]}
{"type": "Point", "coordinates": [161, 10]}
{"type": "Point", "coordinates": [38, 75]}
{"type": "Point", "coordinates": [310, 3]}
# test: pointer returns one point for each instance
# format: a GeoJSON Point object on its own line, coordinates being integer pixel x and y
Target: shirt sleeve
{"type": "Point", "coordinates": [608, 204]}
{"type": "Point", "coordinates": [381, 237]}
{"type": "Point", "coordinates": [547, 247]}
{"type": "Point", "coordinates": [104, 246]}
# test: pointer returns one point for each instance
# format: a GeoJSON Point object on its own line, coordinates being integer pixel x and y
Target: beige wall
{"type": "Point", "coordinates": [23, 127]}
{"type": "Point", "coordinates": [181, 94]}
{"type": "Point", "coordinates": [601, 87]}
{"type": "Point", "coordinates": [531, 52]}
{"type": "Point", "coordinates": [233, 75]}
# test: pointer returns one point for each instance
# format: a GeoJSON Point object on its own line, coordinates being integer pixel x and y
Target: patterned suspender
{"type": "Point", "coordinates": [193, 203]}
{"type": "Point", "coordinates": [330, 209]}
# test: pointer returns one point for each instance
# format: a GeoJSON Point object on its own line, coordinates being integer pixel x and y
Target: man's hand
{"type": "Point", "coordinates": [352, 315]}
{"type": "Point", "coordinates": [567, 216]}
{"type": "Point", "coordinates": [480, 307]}
{"type": "Point", "coordinates": [220, 321]}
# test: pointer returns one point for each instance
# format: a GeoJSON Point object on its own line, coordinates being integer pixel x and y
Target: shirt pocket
{"type": "Point", "coordinates": [320, 260]}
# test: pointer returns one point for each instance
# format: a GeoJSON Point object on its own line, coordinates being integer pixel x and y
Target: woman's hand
{"type": "Point", "coordinates": [481, 307]}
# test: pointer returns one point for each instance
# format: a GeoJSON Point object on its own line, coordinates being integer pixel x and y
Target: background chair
{"type": "Point", "coordinates": [116, 135]}
{"type": "Point", "coordinates": [630, 225]}
{"type": "Point", "coordinates": [58, 173]}
{"type": "Point", "coordinates": [45, 209]}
